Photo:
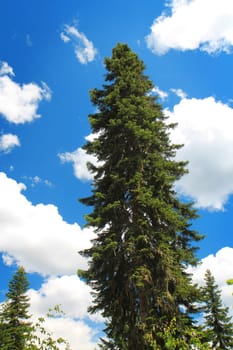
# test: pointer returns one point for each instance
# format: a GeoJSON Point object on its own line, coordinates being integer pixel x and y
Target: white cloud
{"type": "Point", "coordinates": [93, 136]}
{"type": "Point", "coordinates": [6, 69]}
{"type": "Point", "coordinates": [47, 183]}
{"type": "Point", "coordinates": [79, 158]}
{"type": "Point", "coordinates": [205, 128]}
{"type": "Point", "coordinates": [19, 103]}
{"type": "Point", "coordinates": [162, 94]}
{"type": "Point", "coordinates": [46, 92]}
{"type": "Point", "coordinates": [36, 180]}
{"type": "Point", "coordinates": [69, 291]}
{"type": "Point", "coordinates": [36, 236]}
{"type": "Point", "coordinates": [193, 24]}
{"type": "Point", "coordinates": [78, 333]}
{"type": "Point", "coordinates": [84, 48]}
{"type": "Point", "coordinates": [221, 267]}
{"type": "Point", "coordinates": [72, 294]}
{"type": "Point", "coordinates": [8, 142]}
{"type": "Point", "coordinates": [179, 92]}
{"type": "Point", "coordinates": [7, 259]}
{"type": "Point", "coordinates": [74, 297]}
{"type": "Point", "coordinates": [64, 37]}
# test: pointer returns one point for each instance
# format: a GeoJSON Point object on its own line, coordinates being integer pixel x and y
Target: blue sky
{"type": "Point", "coordinates": [51, 55]}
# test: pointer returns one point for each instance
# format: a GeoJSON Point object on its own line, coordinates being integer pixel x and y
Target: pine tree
{"type": "Point", "coordinates": [144, 236]}
{"type": "Point", "coordinates": [14, 315]}
{"type": "Point", "coordinates": [218, 324]}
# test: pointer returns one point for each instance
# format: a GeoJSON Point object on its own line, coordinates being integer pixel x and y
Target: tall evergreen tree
{"type": "Point", "coordinates": [144, 235]}
{"type": "Point", "coordinates": [218, 324]}
{"type": "Point", "coordinates": [14, 315]}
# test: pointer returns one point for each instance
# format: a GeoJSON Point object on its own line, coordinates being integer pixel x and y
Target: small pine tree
{"type": "Point", "coordinates": [218, 325]}
{"type": "Point", "coordinates": [14, 314]}
{"type": "Point", "coordinates": [16, 331]}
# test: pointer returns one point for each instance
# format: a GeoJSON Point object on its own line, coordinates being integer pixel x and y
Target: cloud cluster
{"type": "Point", "coordinates": [79, 158]}
{"type": "Point", "coordinates": [36, 180]}
{"type": "Point", "coordinates": [19, 103]}
{"type": "Point", "coordinates": [74, 293]}
{"type": "Point", "coordinates": [74, 297]}
{"type": "Point", "coordinates": [193, 24]}
{"type": "Point", "coordinates": [78, 333]}
{"type": "Point", "coordinates": [37, 237]}
{"type": "Point", "coordinates": [70, 292]}
{"type": "Point", "coordinates": [84, 48]}
{"type": "Point", "coordinates": [8, 142]}
{"type": "Point", "coordinates": [205, 128]}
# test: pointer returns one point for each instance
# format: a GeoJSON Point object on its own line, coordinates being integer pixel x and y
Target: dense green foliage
{"type": "Point", "coordinates": [15, 324]}
{"type": "Point", "coordinates": [218, 324]}
{"type": "Point", "coordinates": [144, 237]}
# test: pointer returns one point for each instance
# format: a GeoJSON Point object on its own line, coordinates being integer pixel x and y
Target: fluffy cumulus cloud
{"type": "Point", "coordinates": [205, 128]}
{"type": "Point", "coordinates": [8, 142]}
{"type": "Point", "coordinates": [193, 24]}
{"type": "Point", "coordinates": [19, 103]}
{"type": "Point", "coordinates": [78, 333]}
{"type": "Point", "coordinates": [79, 158]}
{"type": "Point", "coordinates": [84, 48]}
{"type": "Point", "coordinates": [70, 291]}
{"type": "Point", "coordinates": [36, 236]}
{"type": "Point", "coordinates": [73, 296]}
{"type": "Point", "coordinates": [221, 267]}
